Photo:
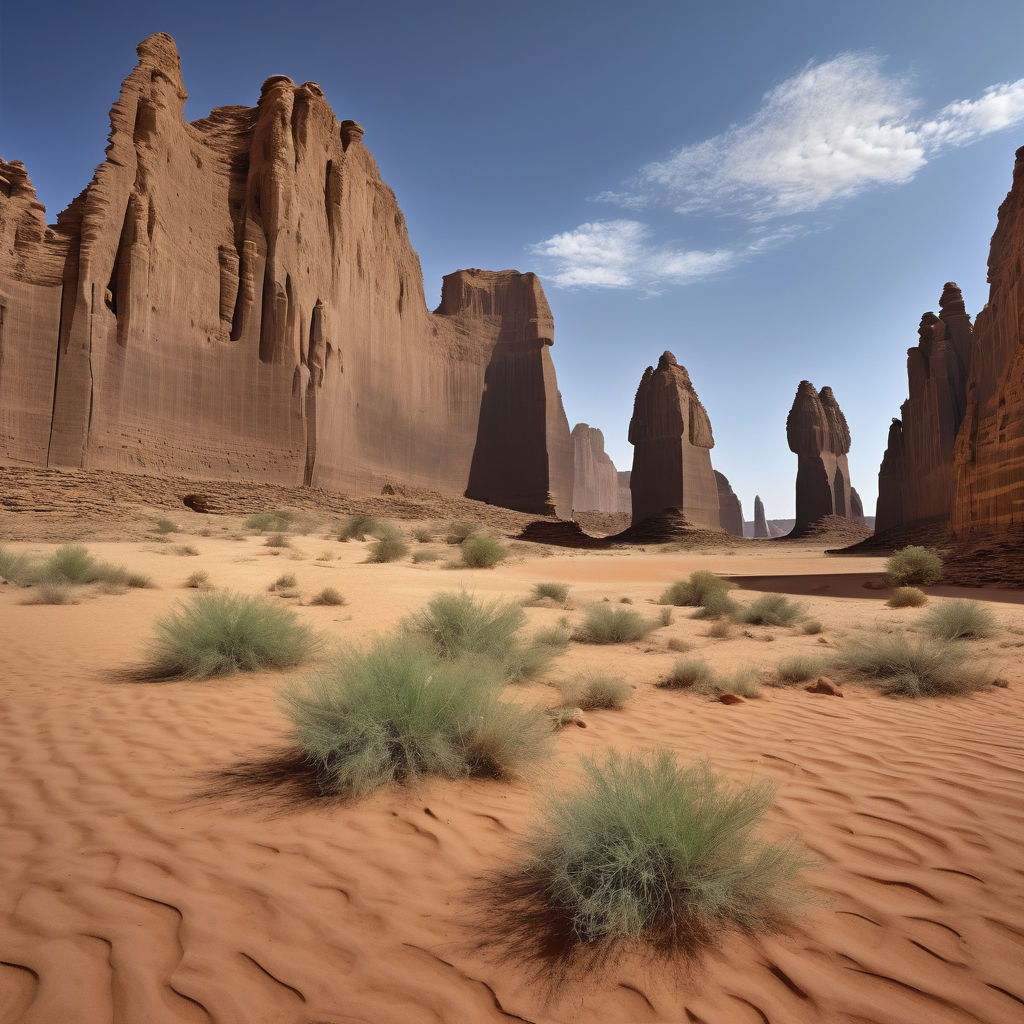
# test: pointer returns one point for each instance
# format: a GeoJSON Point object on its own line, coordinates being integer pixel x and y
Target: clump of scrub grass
{"type": "Point", "coordinates": [720, 629]}
{"type": "Point", "coordinates": [556, 637]}
{"type": "Point", "coordinates": [276, 521]}
{"type": "Point", "coordinates": [743, 683]}
{"type": "Point", "coordinates": [454, 624]}
{"type": "Point", "coordinates": [285, 582]}
{"type": "Point", "coordinates": [395, 712]}
{"type": "Point", "coordinates": [359, 527]}
{"type": "Point", "coordinates": [166, 526]}
{"type": "Point", "coordinates": [425, 555]}
{"type": "Point", "coordinates": [16, 568]}
{"type": "Point", "coordinates": [277, 540]}
{"type": "Point", "coordinates": [797, 669]}
{"type": "Point", "coordinates": [665, 617]}
{"type": "Point", "coordinates": [51, 593]}
{"type": "Point", "coordinates": [480, 552]}
{"type": "Point", "coordinates": [218, 633]}
{"type": "Point", "coordinates": [596, 691]}
{"type": "Point", "coordinates": [186, 550]}
{"type": "Point", "coordinates": [929, 668]}
{"type": "Point", "coordinates": [557, 592]}
{"type": "Point", "coordinates": [771, 610]}
{"type": "Point", "coordinates": [72, 563]}
{"type": "Point", "coordinates": [199, 580]}
{"type": "Point", "coordinates": [606, 624]}
{"type": "Point", "coordinates": [695, 591]}
{"type": "Point", "coordinates": [422, 535]}
{"type": "Point", "coordinates": [811, 627]}
{"type": "Point", "coordinates": [679, 645]}
{"type": "Point", "coordinates": [907, 597]}
{"type": "Point", "coordinates": [650, 849]}
{"type": "Point", "coordinates": [717, 604]}
{"type": "Point", "coordinates": [913, 565]}
{"type": "Point", "coordinates": [389, 548]}
{"type": "Point", "coordinates": [328, 596]}
{"type": "Point", "coordinates": [694, 673]}
{"type": "Point", "coordinates": [959, 620]}
{"type": "Point", "coordinates": [458, 532]}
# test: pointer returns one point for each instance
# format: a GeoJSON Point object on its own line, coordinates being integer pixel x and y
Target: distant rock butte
{"type": "Point", "coordinates": [730, 511]}
{"type": "Point", "coordinates": [595, 480]}
{"type": "Point", "coordinates": [237, 298]}
{"type": "Point", "coordinates": [672, 441]}
{"type": "Point", "coordinates": [817, 432]}
{"type": "Point", "coordinates": [760, 523]}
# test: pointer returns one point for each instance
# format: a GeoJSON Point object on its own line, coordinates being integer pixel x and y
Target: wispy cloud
{"type": "Point", "coordinates": [831, 131]}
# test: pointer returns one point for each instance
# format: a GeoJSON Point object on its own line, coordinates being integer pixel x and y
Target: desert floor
{"type": "Point", "coordinates": [142, 881]}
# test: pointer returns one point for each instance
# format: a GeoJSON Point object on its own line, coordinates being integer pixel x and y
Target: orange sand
{"type": "Point", "coordinates": [134, 889]}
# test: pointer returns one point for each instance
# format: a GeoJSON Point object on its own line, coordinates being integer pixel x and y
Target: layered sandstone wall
{"type": "Point", "coordinates": [671, 434]}
{"type": "Point", "coordinates": [595, 479]}
{"type": "Point", "coordinates": [238, 297]}
{"type": "Point", "coordinates": [730, 511]}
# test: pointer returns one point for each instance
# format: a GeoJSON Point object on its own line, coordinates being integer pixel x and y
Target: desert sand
{"type": "Point", "coordinates": [149, 875]}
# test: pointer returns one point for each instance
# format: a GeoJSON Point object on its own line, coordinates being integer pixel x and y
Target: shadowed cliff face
{"type": "Point", "coordinates": [595, 481]}
{"type": "Point", "coordinates": [818, 433]}
{"type": "Point", "coordinates": [730, 511]}
{"type": "Point", "coordinates": [672, 438]}
{"type": "Point", "coordinates": [989, 450]}
{"type": "Point", "coordinates": [237, 297]}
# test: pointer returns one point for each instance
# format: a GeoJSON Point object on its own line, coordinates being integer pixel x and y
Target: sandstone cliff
{"type": "Point", "coordinates": [817, 432]}
{"type": "Point", "coordinates": [238, 297]}
{"type": "Point", "coordinates": [625, 495]}
{"type": "Point", "coordinates": [672, 440]}
{"type": "Point", "coordinates": [730, 511]}
{"type": "Point", "coordinates": [760, 523]}
{"type": "Point", "coordinates": [989, 449]}
{"type": "Point", "coordinates": [595, 479]}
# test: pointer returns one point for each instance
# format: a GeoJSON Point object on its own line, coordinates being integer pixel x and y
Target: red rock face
{"type": "Point", "coordinates": [730, 511]}
{"type": "Point", "coordinates": [237, 297]}
{"type": "Point", "coordinates": [817, 432]}
{"type": "Point", "coordinates": [672, 440]}
{"type": "Point", "coordinates": [595, 481]}
{"type": "Point", "coordinates": [989, 450]}
{"type": "Point", "coordinates": [760, 523]}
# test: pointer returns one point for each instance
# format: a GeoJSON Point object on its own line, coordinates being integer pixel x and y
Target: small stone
{"type": "Point", "coordinates": [824, 685]}
{"type": "Point", "coordinates": [1003, 684]}
{"type": "Point", "coordinates": [731, 698]}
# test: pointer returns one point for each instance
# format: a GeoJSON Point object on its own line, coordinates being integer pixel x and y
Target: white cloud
{"type": "Point", "coordinates": [963, 122]}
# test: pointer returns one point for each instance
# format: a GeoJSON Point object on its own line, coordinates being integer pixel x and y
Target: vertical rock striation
{"type": "Point", "coordinates": [760, 523]}
{"type": "Point", "coordinates": [730, 511]}
{"type": "Point", "coordinates": [625, 503]}
{"type": "Point", "coordinates": [672, 440]}
{"type": "Point", "coordinates": [595, 479]}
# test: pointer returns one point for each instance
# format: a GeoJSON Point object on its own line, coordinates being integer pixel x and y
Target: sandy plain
{"type": "Point", "coordinates": [147, 876]}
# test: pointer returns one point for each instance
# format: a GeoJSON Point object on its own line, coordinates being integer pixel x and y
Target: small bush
{"type": "Point", "coordinates": [198, 580]}
{"type": "Point", "coordinates": [389, 548]}
{"type": "Point", "coordinates": [694, 591]}
{"type": "Point", "coordinates": [166, 526]}
{"type": "Point", "coordinates": [665, 617]}
{"type": "Point", "coordinates": [959, 620]}
{"type": "Point", "coordinates": [913, 565]}
{"type": "Point", "coordinates": [359, 528]}
{"type": "Point", "coordinates": [73, 564]}
{"type": "Point", "coordinates": [17, 569]}
{"type": "Point", "coordinates": [422, 535]}
{"type": "Point", "coordinates": [907, 597]}
{"type": "Point", "coordinates": [717, 604]}
{"type": "Point", "coordinates": [688, 675]}
{"type": "Point", "coordinates": [743, 683]}
{"type": "Point", "coordinates": [327, 596]}
{"type": "Point", "coordinates": [218, 633]}
{"type": "Point", "coordinates": [425, 555]}
{"type": "Point", "coordinates": [286, 581]}
{"type": "Point", "coordinates": [269, 522]}
{"type": "Point", "coordinates": [678, 645]}
{"type": "Point", "coordinates": [186, 549]}
{"type": "Point", "coordinates": [811, 627]}
{"type": "Point", "coordinates": [720, 629]}
{"type": "Point", "coordinates": [51, 593]}
{"type": "Point", "coordinates": [771, 610]}
{"type": "Point", "coordinates": [458, 532]}
{"type": "Point", "coordinates": [482, 552]}
{"type": "Point", "coordinates": [931, 668]}
{"type": "Point", "coordinates": [555, 637]}
{"type": "Point", "coordinates": [394, 712]}
{"type": "Point", "coordinates": [652, 850]}
{"type": "Point", "coordinates": [596, 691]}
{"type": "Point", "coordinates": [277, 540]}
{"type": "Point", "coordinates": [557, 592]}
{"type": "Point", "coordinates": [797, 669]}
{"type": "Point", "coordinates": [605, 624]}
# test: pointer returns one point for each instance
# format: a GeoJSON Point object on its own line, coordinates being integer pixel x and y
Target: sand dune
{"type": "Point", "coordinates": [147, 875]}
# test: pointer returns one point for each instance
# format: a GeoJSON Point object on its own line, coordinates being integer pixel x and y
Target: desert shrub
{"type": "Point", "coordinates": [277, 540]}
{"type": "Point", "coordinates": [906, 597]}
{"type": "Point", "coordinates": [771, 610]}
{"type": "Point", "coordinates": [482, 552]}
{"type": "Point", "coordinates": [959, 620]}
{"type": "Point", "coordinates": [458, 532]}
{"type": "Point", "coordinates": [359, 528]}
{"type": "Point", "coordinates": [217, 633]}
{"type": "Point", "coordinates": [51, 593]}
{"type": "Point", "coordinates": [186, 549]}
{"type": "Point", "coordinates": [555, 637]}
{"type": "Point", "coordinates": [665, 617]}
{"type": "Point", "coordinates": [557, 592]}
{"type": "Point", "coordinates": [797, 669]}
{"type": "Point", "coordinates": [389, 548]}
{"type": "Point", "coordinates": [72, 563]}
{"type": "Point", "coordinates": [425, 555]}
{"type": "Point", "coordinates": [269, 522]}
{"type": "Point", "coordinates": [286, 581]}
{"type": "Point", "coordinates": [119, 576]}
{"type": "Point", "coordinates": [17, 569]}
{"type": "Point", "coordinates": [454, 624]}
{"type": "Point", "coordinates": [929, 668]}
{"type": "Point", "coordinates": [199, 580]}
{"type": "Point", "coordinates": [328, 596]}
{"type": "Point", "coordinates": [688, 675]}
{"type": "Point", "coordinates": [605, 624]}
{"type": "Point", "coordinates": [395, 712]}
{"type": "Point", "coordinates": [811, 627]}
{"type": "Point", "coordinates": [720, 629]}
{"type": "Point", "coordinates": [744, 683]}
{"type": "Point", "coordinates": [695, 590]}
{"type": "Point", "coordinates": [596, 691]}
{"type": "Point", "coordinates": [912, 565]}
{"type": "Point", "coordinates": [422, 535]}
{"type": "Point", "coordinates": [165, 526]}
{"type": "Point", "coordinates": [650, 849]}
{"type": "Point", "coordinates": [717, 604]}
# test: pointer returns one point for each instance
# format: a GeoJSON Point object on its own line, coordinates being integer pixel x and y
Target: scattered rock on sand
{"type": "Point", "coordinates": [824, 685]}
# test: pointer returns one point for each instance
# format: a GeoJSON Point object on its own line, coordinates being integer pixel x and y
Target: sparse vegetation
{"type": "Point", "coordinates": [605, 624]}
{"type": "Point", "coordinates": [907, 597]}
{"type": "Point", "coordinates": [285, 582]}
{"type": "Point", "coordinates": [678, 645]}
{"type": "Point", "coordinates": [480, 552]}
{"type": "Point", "coordinates": [898, 667]}
{"type": "Point", "coordinates": [665, 617]}
{"type": "Point", "coordinates": [959, 620]}
{"type": "Point", "coordinates": [695, 591]}
{"type": "Point", "coordinates": [359, 528]}
{"type": "Point", "coordinates": [186, 549]}
{"type": "Point", "coordinates": [198, 580]}
{"type": "Point", "coordinates": [269, 522]}
{"type": "Point", "coordinates": [913, 565]}
{"type": "Point", "coordinates": [15, 568]}
{"type": "Point", "coordinates": [218, 633]}
{"type": "Point", "coordinates": [458, 532]}
{"type": "Point", "coordinates": [555, 637]}
{"type": "Point", "coordinates": [389, 547]}
{"type": "Point", "coordinates": [425, 555]}
{"type": "Point", "coordinates": [797, 669]}
{"type": "Point", "coordinates": [277, 540]}
{"type": "Point", "coordinates": [596, 691]}
{"type": "Point", "coordinates": [720, 629]}
{"type": "Point", "coordinates": [422, 535]}
{"type": "Point", "coordinates": [557, 592]}
{"type": "Point", "coordinates": [165, 526]}
{"type": "Point", "coordinates": [811, 627]}
{"type": "Point", "coordinates": [771, 610]}
{"type": "Point", "coordinates": [327, 596]}
{"type": "Point", "coordinates": [395, 712]}
{"type": "Point", "coordinates": [688, 675]}
{"type": "Point", "coordinates": [51, 593]}
{"type": "Point", "coordinates": [72, 563]}
{"type": "Point", "coordinates": [717, 604]}
{"type": "Point", "coordinates": [649, 849]}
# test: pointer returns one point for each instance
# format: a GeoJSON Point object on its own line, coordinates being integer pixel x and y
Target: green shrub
{"type": "Point", "coordinates": [134, 580]}
{"type": "Point", "coordinates": [166, 526]}
{"type": "Point", "coordinates": [269, 522]}
{"type": "Point", "coordinates": [198, 580]}
{"type": "Point", "coordinates": [51, 593]}
{"type": "Point", "coordinates": [555, 637]}
{"type": "Point", "coordinates": [425, 555]}
{"type": "Point", "coordinates": [327, 596]}
{"type": "Point", "coordinates": [771, 610]}
{"type": "Point", "coordinates": [665, 617]}
{"type": "Point", "coordinates": [930, 668]}
{"type": "Point", "coordinates": [482, 552]}
{"type": "Point", "coordinates": [913, 565]}
{"type": "Point", "coordinates": [605, 624]}
{"type": "Point", "coordinates": [285, 582]}
{"type": "Point", "coordinates": [557, 592]}
{"type": "Point", "coordinates": [797, 669]}
{"type": "Point", "coordinates": [72, 563]}
{"type": "Point", "coordinates": [596, 691]}
{"type": "Point", "coordinates": [717, 605]}
{"type": "Point", "coordinates": [395, 712]}
{"type": "Point", "coordinates": [695, 591]}
{"type": "Point", "coordinates": [649, 849]}
{"type": "Point", "coordinates": [959, 620]}
{"type": "Point", "coordinates": [217, 633]}
{"type": "Point", "coordinates": [720, 629]}
{"type": "Point", "coordinates": [359, 528]}
{"type": "Point", "coordinates": [906, 597]}
{"type": "Point", "coordinates": [389, 548]}
{"type": "Point", "coordinates": [277, 540]}
{"type": "Point", "coordinates": [422, 535]}
{"type": "Point", "coordinates": [18, 569]}
{"type": "Point", "coordinates": [688, 675]}
{"type": "Point", "coordinates": [743, 683]}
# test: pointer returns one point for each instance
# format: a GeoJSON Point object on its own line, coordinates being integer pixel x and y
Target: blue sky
{"type": "Point", "coordinates": [773, 192]}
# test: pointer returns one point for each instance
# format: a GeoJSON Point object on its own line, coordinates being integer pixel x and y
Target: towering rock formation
{"type": "Point", "coordinates": [760, 523]}
{"type": "Point", "coordinates": [237, 297]}
{"type": "Point", "coordinates": [672, 440]}
{"type": "Point", "coordinates": [989, 450]}
{"type": "Point", "coordinates": [595, 481]}
{"type": "Point", "coordinates": [625, 497]}
{"type": "Point", "coordinates": [730, 511]}
{"type": "Point", "coordinates": [817, 432]}
{"type": "Point", "coordinates": [856, 507]}
{"type": "Point", "coordinates": [915, 481]}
